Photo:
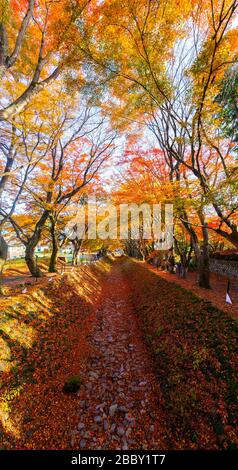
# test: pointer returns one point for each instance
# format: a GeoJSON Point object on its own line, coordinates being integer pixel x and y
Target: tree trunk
{"type": "Point", "coordinates": [8, 167]}
{"type": "Point", "coordinates": [204, 271]}
{"type": "Point", "coordinates": [31, 245]}
{"type": "Point", "coordinates": [31, 91]}
{"type": "Point", "coordinates": [2, 71]}
{"type": "Point", "coordinates": [75, 257]}
{"type": "Point", "coordinates": [55, 248]}
{"type": "Point", "coordinates": [77, 245]}
{"type": "Point", "coordinates": [31, 261]}
{"type": "Point", "coordinates": [142, 252]}
{"type": "Point", "coordinates": [183, 259]}
{"type": "Point", "coordinates": [202, 257]}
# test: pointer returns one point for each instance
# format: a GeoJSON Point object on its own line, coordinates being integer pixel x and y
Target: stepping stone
{"type": "Point", "coordinates": [80, 426]}
{"type": "Point", "coordinates": [120, 431]}
{"type": "Point", "coordinates": [93, 375]}
{"type": "Point", "coordinates": [129, 418]}
{"type": "Point", "coordinates": [98, 419]}
{"type": "Point", "coordinates": [112, 410]}
{"type": "Point", "coordinates": [100, 406]}
{"type": "Point", "coordinates": [82, 444]}
{"type": "Point", "coordinates": [128, 431]}
{"type": "Point", "coordinates": [123, 409]}
{"type": "Point", "coordinates": [83, 404]}
{"type": "Point", "coordinates": [124, 445]}
{"type": "Point", "coordinates": [141, 384]}
{"type": "Point", "coordinates": [105, 425]}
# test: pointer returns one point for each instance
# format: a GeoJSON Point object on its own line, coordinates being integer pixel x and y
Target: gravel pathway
{"type": "Point", "coordinates": [119, 401]}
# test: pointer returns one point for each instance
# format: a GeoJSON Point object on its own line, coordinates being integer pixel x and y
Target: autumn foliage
{"type": "Point", "coordinates": [132, 101]}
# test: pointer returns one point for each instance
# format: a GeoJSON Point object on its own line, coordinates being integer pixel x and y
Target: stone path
{"type": "Point", "coordinates": [119, 401]}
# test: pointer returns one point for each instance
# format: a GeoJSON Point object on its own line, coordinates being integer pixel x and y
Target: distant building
{"type": "Point", "coordinates": [15, 251]}
{"type": "Point", "coordinates": [12, 247]}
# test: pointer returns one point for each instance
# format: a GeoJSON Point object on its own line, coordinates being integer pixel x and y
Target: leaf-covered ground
{"type": "Point", "coordinates": [217, 293]}
{"type": "Point", "coordinates": [44, 340]}
{"type": "Point", "coordinates": [196, 351]}
{"type": "Point", "coordinates": [158, 365]}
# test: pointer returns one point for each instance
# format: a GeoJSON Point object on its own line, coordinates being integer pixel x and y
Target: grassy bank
{"type": "Point", "coordinates": [44, 338]}
{"type": "Point", "coordinates": [195, 351]}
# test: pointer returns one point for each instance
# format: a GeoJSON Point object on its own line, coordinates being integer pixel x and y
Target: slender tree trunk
{"type": "Point", "coordinates": [75, 256]}
{"type": "Point", "coordinates": [8, 167]}
{"type": "Point", "coordinates": [171, 261]}
{"type": "Point", "coordinates": [2, 71]}
{"type": "Point", "coordinates": [142, 251]}
{"type": "Point", "coordinates": [204, 271]}
{"type": "Point", "coordinates": [74, 259]}
{"type": "Point", "coordinates": [31, 260]}
{"type": "Point", "coordinates": [53, 259]}
{"type": "Point", "coordinates": [6, 173]}
{"type": "Point", "coordinates": [31, 245]}
{"type": "Point", "coordinates": [55, 247]}
{"type": "Point", "coordinates": [202, 257]}
{"type": "Point", "coordinates": [184, 258]}
{"type": "Point", "coordinates": [184, 265]}
{"type": "Point", "coordinates": [31, 91]}
{"type": "Point", "coordinates": [77, 245]}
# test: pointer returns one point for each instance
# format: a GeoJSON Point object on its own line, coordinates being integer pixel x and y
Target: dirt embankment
{"type": "Point", "coordinates": [196, 354]}
{"type": "Point", "coordinates": [44, 340]}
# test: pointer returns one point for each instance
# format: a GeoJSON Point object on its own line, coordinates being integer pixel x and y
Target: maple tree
{"type": "Point", "coordinates": [126, 61]}
{"type": "Point", "coordinates": [150, 178]}
{"type": "Point", "coordinates": [34, 50]}
{"type": "Point", "coordinates": [61, 153]}
{"type": "Point", "coordinates": [196, 44]}
{"type": "Point", "coordinates": [134, 102]}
